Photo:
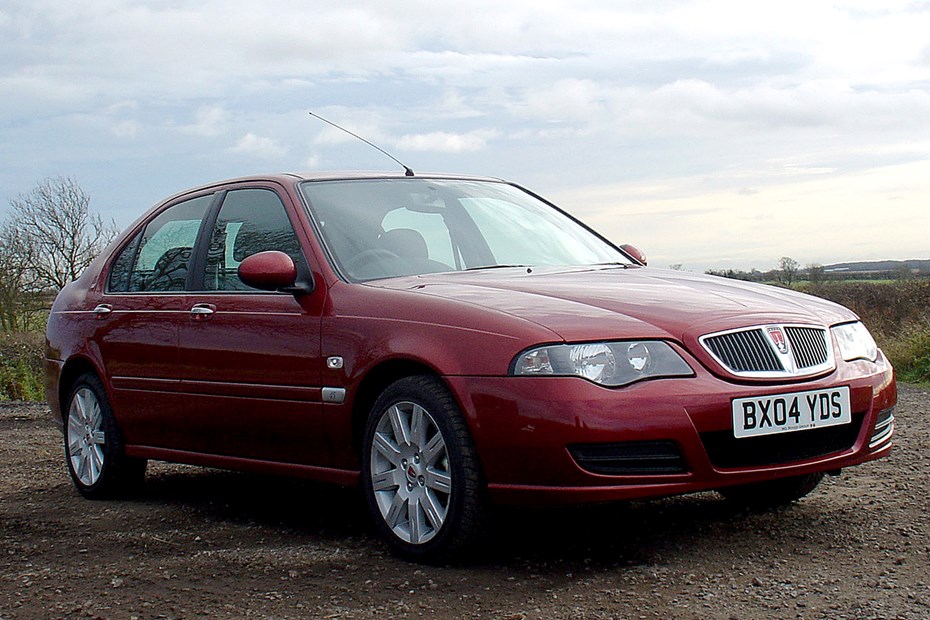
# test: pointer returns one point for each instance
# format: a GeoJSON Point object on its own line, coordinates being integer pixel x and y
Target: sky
{"type": "Point", "coordinates": [710, 134]}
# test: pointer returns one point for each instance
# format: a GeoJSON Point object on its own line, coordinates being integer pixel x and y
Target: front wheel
{"type": "Point", "coordinates": [94, 445]}
{"type": "Point", "coordinates": [420, 472]}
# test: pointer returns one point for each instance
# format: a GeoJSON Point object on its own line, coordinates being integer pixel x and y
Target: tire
{"type": "Point", "coordinates": [94, 444]}
{"type": "Point", "coordinates": [773, 493]}
{"type": "Point", "coordinates": [420, 473]}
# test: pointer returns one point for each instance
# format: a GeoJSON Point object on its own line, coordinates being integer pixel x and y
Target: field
{"type": "Point", "coordinates": [897, 313]}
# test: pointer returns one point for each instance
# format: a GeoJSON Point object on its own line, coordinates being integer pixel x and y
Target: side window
{"type": "Point", "coordinates": [250, 221]}
{"type": "Point", "coordinates": [121, 268]}
{"type": "Point", "coordinates": [158, 258]}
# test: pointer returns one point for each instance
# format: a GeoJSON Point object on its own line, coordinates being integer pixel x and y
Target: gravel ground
{"type": "Point", "coordinates": [205, 543]}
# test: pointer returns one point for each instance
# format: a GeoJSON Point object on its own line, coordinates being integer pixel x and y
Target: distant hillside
{"type": "Point", "coordinates": [915, 265]}
{"type": "Point", "coordinates": [858, 270]}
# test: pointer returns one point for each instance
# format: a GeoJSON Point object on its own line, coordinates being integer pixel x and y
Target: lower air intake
{"type": "Point", "coordinates": [884, 428]}
{"type": "Point", "coordinates": [630, 458]}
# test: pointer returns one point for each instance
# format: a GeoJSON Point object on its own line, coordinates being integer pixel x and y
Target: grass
{"type": "Point", "coordinates": [909, 351]}
{"type": "Point", "coordinates": [21, 372]}
{"type": "Point", "coordinates": [898, 315]}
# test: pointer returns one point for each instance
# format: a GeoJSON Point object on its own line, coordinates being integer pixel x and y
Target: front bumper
{"type": "Point", "coordinates": [527, 428]}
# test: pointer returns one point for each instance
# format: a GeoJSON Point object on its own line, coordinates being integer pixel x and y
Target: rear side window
{"type": "Point", "coordinates": [159, 257]}
{"type": "Point", "coordinates": [121, 270]}
{"type": "Point", "coordinates": [250, 221]}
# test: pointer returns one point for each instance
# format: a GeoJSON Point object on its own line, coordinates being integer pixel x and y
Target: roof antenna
{"type": "Point", "coordinates": [407, 171]}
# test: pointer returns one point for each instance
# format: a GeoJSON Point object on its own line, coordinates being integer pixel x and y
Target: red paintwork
{"type": "Point", "coordinates": [268, 270]}
{"type": "Point", "coordinates": [635, 253]}
{"type": "Point", "coordinates": [243, 388]}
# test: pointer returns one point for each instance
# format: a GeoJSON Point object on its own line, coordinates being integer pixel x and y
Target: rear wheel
{"type": "Point", "coordinates": [420, 472]}
{"type": "Point", "coordinates": [94, 445]}
{"type": "Point", "coordinates": [773, 493]}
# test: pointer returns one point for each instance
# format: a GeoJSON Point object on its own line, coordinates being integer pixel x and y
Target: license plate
{"type": "Point", "coordinates": [786, 413]}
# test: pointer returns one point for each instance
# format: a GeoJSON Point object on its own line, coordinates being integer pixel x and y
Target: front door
{"type": "Point", "coordinates": [249, 361]}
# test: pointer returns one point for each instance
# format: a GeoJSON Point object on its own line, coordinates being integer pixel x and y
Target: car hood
{"type": "Point", "coordinates": [634, 302]}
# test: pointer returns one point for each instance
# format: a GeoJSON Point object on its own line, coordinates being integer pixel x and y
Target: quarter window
{"type": "Point", "coordinates": [121, 269]}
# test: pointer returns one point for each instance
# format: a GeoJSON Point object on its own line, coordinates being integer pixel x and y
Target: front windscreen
{"type": "Point", "coordinates": [382, 228]}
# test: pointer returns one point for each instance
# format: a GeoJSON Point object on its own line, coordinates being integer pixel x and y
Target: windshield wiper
{"type": "Point", "coordinates": [495, 267]}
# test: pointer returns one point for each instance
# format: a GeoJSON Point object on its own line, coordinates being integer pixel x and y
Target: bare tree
{"type": "Point", "coordinates": [787, 270]}
{"type": "Point", "coordinates": [19, 294]}
{"type": "Point", "coordinates": [815, 273]}
{"type": "Point", "coordinates": [55, 223]}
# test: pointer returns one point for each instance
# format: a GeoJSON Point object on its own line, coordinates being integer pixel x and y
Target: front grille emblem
{"type": "Point", "coordinates": [777, 336]}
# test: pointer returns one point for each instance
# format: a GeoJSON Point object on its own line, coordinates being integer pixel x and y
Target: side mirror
{"type": "Point", "coordinates": [268, 271]}
{"type": "Point", "coordinates": [634, 252]}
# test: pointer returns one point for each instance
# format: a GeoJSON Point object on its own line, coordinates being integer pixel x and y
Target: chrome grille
{"type": "Point", "coordinates": [745, 351]}
{"type": "Point", "coordinates": [809, 345]}
{"type": "Point", "coordinates": [772, 351]}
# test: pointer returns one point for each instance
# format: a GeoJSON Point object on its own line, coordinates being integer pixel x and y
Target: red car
{"type": "Point", "coordinates": [446, 343]}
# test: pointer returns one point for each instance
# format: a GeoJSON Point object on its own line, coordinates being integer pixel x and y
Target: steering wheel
{"type": "Point", "coordinates": [367, 257]}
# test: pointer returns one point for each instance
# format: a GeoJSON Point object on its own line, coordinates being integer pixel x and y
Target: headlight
{"type": "Point", "coordinates": [855, 342]}
{"type": "Point", "coordinates": [605, 363]}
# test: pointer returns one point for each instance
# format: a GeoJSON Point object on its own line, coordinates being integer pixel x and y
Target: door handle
{"type": "Point", "coordinates": [202, 312]}
{"type": "Point", "coordinates": [102, 311]}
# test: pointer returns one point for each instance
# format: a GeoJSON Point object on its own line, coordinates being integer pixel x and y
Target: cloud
{"type": "Point", "coordinates": [444, 142]}
{"type": "Point", "coordinates": [257, 146]}
{"type": "Point", "coordinates": [815, 218]}
{"type": "Point", "coordinates": [126, 129]}
{"type": "Point", "coordinates": [311, 162]}
{"type": "Point", "coordinates": [683, 110]}
{"type": "Point", "coordinates": [568, 100]}
{"type": "Point", "coordinates": [210, 121]}
{"type": "Point", "coordinates": [366, 127]}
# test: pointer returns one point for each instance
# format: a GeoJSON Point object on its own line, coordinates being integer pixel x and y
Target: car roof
{"type": "Point", "coordinates": [357, 174]}
{"type": "Point", "coordinates": [338, 175]}
{"type": "Point", "coordinates": [287, 178]}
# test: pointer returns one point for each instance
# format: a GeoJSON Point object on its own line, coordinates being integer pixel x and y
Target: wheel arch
{"type": "Point", "coordinates": [375, 381]}
{"type": "Point", "coordinates": [74, 368]}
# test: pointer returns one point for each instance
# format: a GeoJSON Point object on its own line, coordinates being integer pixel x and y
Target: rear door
{"type": "Point", "coordinates": [249, 360]}
{"type": "Point", "coordinates": [138, 315]}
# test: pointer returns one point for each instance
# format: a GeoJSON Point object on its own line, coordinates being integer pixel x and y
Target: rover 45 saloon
{"type": "Point", "coordinates": [446, 343]}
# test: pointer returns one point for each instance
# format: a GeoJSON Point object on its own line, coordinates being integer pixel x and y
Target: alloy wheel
{"type": "Point", "coordinates": [86, 438]}
{"type": "Point", "coordinates": [410, 473]}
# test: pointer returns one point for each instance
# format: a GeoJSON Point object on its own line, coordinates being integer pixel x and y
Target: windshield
{"type": "Point", "coordinates": [382, 228]}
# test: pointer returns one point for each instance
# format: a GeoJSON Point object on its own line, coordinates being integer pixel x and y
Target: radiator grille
{"type": "Point", "coordinates": [745, 351]}
{"type": "Point", "coordinates": [809, 345]}
{"type": "Point", "coordinates": [772, 351]}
